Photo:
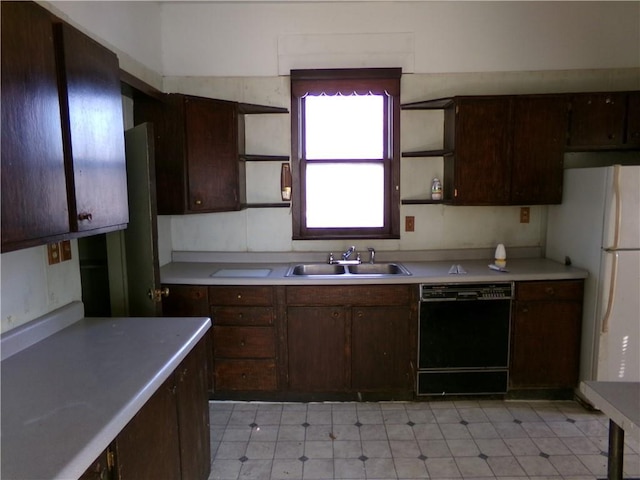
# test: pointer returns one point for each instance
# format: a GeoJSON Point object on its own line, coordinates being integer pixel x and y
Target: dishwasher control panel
{"type": "Point", "coordinates": [466, 291]}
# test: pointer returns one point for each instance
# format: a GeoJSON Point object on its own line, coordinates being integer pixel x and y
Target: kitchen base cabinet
{"type": "Point", "coordinates": [244, 351]}
{"type": "Point", "coordinates": [352, 341]}
{"type": "Point", "coordinates": [149, 446]}
{"type": "Point", "coordinates": [379, 353]}
{"type": "Point", "coordinates": [546, 330]}
{"type": "Point", "coordinates": [317, 347]}
{"type": "Point", "coordinates": [169, 436]}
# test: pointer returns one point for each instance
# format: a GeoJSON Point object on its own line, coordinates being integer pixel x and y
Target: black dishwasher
{"type": "Point", "coordinates": [464, 338]}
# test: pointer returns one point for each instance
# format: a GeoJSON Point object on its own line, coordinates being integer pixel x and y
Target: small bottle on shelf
{"type": "Point", "coordinates": [436, 189]}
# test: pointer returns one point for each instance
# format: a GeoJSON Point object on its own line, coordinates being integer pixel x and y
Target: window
{"type": "Point", "coordinates": [345, 153]}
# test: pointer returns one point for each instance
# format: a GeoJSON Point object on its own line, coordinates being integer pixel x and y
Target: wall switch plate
{"type": "Point", "coordinates": [524, 214]}
{"type": "Point", "coordinates": [53, 252]}
{"type": "Point", "coordinates": [65, 250]}
{"type": "Point", "coordinates": [409, 224]}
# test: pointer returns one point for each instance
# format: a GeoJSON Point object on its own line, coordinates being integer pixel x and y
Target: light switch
{"type": "Point", "coordinates": [409, 223]}
{"type": "Point", "coordinates": [65, 250]}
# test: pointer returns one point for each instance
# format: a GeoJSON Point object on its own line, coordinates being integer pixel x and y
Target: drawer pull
{"type": "Point", "coordinates": [549, 291]}
{"type": "Point", "coordinates": [239, 296]}
{"type": "Point", "coordinates": [242, 343]}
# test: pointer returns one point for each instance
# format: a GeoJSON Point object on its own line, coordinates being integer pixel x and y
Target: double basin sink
{"type": "Point", "coordinates": [360, 269]}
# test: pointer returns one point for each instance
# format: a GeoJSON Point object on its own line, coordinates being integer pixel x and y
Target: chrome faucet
{"type": "Point", "coordinates": [348, 252]}
{"type": "Point", "coordinates": [372, 255]}
{"type": "Point", "coordinates": [345, 258]}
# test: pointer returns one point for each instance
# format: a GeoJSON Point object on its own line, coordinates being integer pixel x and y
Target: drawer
{"type": "Point", "coordinates": [239, 295]}
{"type": "Point", "coordinates": [349, 295]}
{"type": "Point", "coordinates": [242, 315]}
{"type": "Point", "coordinates": [245, 375]}
{"type": "Point", "coordinates": [243, 342]}
{"type": "Point", "coordinates": [560, 290]}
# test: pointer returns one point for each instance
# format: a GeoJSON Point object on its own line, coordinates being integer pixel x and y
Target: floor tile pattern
{"type": "Point", "coordinates": [484, 439]}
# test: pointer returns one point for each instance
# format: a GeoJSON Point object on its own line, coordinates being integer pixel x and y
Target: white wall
{"type": "Point", "coordinates": [31, 287]}
{"type": "Point", "coordinates": [131, 29]}
{"type": "Point", "coordinates": [436, 226]}
{"type": "Point", "coordinates": [245, 38]}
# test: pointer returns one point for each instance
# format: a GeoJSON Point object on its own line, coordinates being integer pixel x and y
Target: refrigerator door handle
{"type": "Point", "coordinates": [612, 290]}
{"type": "Point", "coordinates": [618, 211]}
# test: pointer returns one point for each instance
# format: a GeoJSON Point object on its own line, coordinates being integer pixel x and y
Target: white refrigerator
{"type": "Point", "coordinates": [597, 227]}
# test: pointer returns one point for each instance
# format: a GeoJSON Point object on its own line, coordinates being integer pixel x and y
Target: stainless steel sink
{"type": "Point", "coordinates": [315, 269]}
{"type": "Point", "coordinates": [378, 269]}
{"type": "Point", "coordinates": [362, 269]}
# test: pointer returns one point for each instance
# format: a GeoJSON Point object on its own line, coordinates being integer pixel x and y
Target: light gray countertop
{"type": "Point", "coordinates": [67, 396]}
{"type": "Point", "coordinates": [261, 272]}
{"type": "Point", "coordinates": [620, 401]}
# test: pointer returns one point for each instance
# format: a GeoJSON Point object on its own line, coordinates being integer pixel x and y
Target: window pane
{"type": "Point", "coordinates": [345, 195]}
{"type": "Point", "coordinates": [344, 126]}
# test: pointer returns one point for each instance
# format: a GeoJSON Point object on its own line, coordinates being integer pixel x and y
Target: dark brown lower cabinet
{"type": "Point", "coordinates": [191, 380]}
{"type": "Point", "coordinates": [169, 436]}
{"type": "Point", "coordinates": [351, 339]}
{"type": "Point", "coordinates": [379, 354]}
{"type": "Point", "coordinates": [101, 468]}
{"type": "Point", "coordinates": [149, 446]}
{"type": "Point", "coordinates": [317, 347]}
{"type": "Point", "coordinates": [545, 348]}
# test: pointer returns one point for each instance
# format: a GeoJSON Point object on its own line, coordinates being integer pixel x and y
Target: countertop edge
{"type": "Point", "coordinates": [78, 464]}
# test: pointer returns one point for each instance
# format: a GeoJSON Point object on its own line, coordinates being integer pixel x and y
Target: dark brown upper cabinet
{"type": "Point", "coordinates": [604, 121]}
{"type": "Point", "coordinates": [199, 151]}
{"type": "Point", "coordinates": [538, 135]}
{"type": "Point", "coordinates": [501, 150]}
{"type": "Point", "coordinates": [63, 163]}
{"type": "Point", "coordinates": [633, 120]}
{"type": "Point", "coordinates": [93, 132]}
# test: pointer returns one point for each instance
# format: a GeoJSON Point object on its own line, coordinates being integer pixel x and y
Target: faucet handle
{"type": "Point", "coordinates": [331, 259]}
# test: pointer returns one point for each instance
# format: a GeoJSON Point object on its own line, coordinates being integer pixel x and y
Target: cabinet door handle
{"type": "Point", "coordinates": [239, 296]}
{"type": "Point", "coordinates": [85, 216]}
{"type": "Point", "coordinates": [549, 291]}
{"type": "Point", "coordinates": [198, 201]}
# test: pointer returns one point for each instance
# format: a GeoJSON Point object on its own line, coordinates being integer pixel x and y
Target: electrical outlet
{"type": "Point", "coordinates": [53, 252]}
{"type": "Point", "coordinates": [409, 224]}
{"type": "Point", "coordinates": [65, 250]}
{"type": "Point", "coordinates": [524, 214]}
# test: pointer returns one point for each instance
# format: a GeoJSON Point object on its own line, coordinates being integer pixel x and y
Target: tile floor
{"type": "Point", "coordinates": [405, 440]}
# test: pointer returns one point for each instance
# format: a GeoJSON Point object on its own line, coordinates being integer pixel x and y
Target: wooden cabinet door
{"type": "Point", "coordinates": [94, 131]}
{"type": "Point", "coordinates": [185, 301]}
{"type": "Point", "coordinates": [193, 414]}
{"type": "Point", "coordinates": [545, 348]}
{"type": "Point", "coordinates": [148, 446]}
{"type": "Point", "coordinates": [539, 126]}
{"type": "Point", "coordinates": [481, 172]}
{"type": "Point", "coordinates": [212, 155]}
{"type": "Point", "coordinates": [380, 350]}
{"type": "Point", "coordinates": [34, 192]}
{"type": "Point", "coordinates": [597, 120]}
{"type": "Point", "coordinates": [633, 120]}
{"type": "Point", "coordinates": [317, 348]}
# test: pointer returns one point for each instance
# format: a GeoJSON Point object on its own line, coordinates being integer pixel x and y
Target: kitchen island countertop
{"type": "Point", "coordinates": [434, 272]}
{"type": "Point", "coordinates": [67, 396]}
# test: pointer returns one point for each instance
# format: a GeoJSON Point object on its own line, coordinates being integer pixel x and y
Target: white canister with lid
{"type": "Point", "coordinates": [500, 256]}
